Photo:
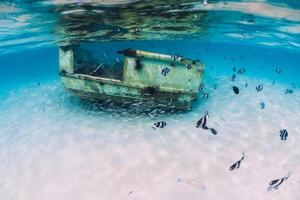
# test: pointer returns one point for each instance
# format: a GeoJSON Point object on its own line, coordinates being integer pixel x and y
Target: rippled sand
{"type": "Point", "coordinates": [53, 146]}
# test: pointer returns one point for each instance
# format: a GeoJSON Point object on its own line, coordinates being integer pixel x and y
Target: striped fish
{"type": "Point", "coordinates": [165, 71]}
{"type": "Point", "coordinates": [259, 88]}
{"type": "Point", "coordinates": [262, 105]}
{"type": "Point", "coordinates": [283, 134]}
{"type": "Point", "coordinates": [233, 77]}
{"type": "Point", "coordinates": [174, 56]}
{"type": "Point", "coordinates": [201, 86]}
{"type": "Point", "coordinates": [160, 124]}
{"type": "Point", "coordinates": [202, 122]}
{"type": "Point", "coordinates": [205, 95]}
{"type": "Point", "coordinates": [189, 66]}
{"type": "Point", "coordinates": [277, 182]}
{"type": "Point", "coordinates": [289, 91]}
{"type": "Point", "coordinates": [237, 164]}
{"type": "Point", "coordinates": [241, 71]}
{"type": "Point", "coordinates": [278, 70]}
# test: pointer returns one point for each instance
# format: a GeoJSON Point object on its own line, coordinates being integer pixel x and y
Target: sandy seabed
{"type": "Point", "coordinates": [53, 146]}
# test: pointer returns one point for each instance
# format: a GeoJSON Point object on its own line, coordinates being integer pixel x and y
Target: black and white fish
{"type": "Point", "coordinates": [283, 134]}
{"type": "Point", "coordinates": [273, 185]}
{"type": "Point", "coordinates": [237, 164]}
{"type": "Point", "coordinates": [201, 86]}
{"type": "Point", "coordinates": [289, 91]}
{"type": "Point", "coordinates": [233, 77]}
{"type": "Point", "coordinates": [235, 89]}
{"type": "Point", "coordinates": [241, 71]}
{"type": "Point", "coordinates": [262, 105]}
{"type": "Point", "coordinates": [160, 124]}
{"type": "Point", "coordinates": [202, 123]}
{"type": "Point", "coordinates": [165, 71]}
{"type": "Point", "coordinates": [259, 88]}
{"type": "Point", "coordinates": [174, 56]}
{"type": "Point", "coordinates": [205, 95]}
{"type": "Point", "coordinates": [189, 66]}
{"type": "Point", "coordinates": [278, 70]}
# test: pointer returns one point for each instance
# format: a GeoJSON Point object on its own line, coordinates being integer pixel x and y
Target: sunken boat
{"type": "Point", "coordinates": [141, 78]}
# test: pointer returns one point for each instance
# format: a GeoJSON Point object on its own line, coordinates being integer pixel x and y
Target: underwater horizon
{"type": "Point", "coordinates": [238, 140]}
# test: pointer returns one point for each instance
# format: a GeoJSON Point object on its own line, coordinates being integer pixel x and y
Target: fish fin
{"type": "Point", "coordinates": [213, 131]}
{"type": "Point", "coordinates": [243, 156]}
{"type": "Point", "coordinates": [288, 175]}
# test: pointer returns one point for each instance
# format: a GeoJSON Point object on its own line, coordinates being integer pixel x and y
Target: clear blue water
{"type": "Point", "coordinates": [54, 146]}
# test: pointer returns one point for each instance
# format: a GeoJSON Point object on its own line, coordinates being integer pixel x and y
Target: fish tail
{"type": "Point", "coordinates": [288, 175]}
{"type": "Point", "coordinates": [243, 156]}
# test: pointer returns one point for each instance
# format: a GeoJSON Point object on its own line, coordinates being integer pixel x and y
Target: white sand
{"type": "Point", "coordinates": [52, 148]}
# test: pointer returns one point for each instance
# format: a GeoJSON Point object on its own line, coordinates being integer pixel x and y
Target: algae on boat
{"type": "Point", "coordinates": [154, 80]}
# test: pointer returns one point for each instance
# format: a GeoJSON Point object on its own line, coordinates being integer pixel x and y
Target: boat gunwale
{"type": "Point", "coordinates": [124, 84]}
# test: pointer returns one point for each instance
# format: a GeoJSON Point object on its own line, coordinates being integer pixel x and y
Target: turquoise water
{"type": "Point", "coordinates": [55, 146]}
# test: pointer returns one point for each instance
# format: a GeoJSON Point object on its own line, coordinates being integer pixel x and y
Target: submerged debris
{"type": "Point", "coordinates": [237, 164]}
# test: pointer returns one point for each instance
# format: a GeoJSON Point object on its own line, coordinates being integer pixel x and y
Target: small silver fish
{"type": "Point", "coordinates": [192, 182]}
